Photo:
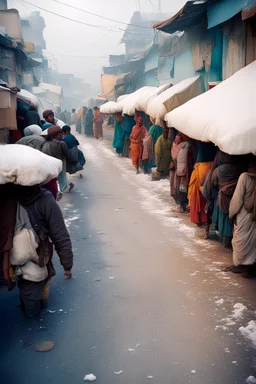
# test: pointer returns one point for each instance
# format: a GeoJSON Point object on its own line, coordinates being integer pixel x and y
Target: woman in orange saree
{"type": "Point", "coordinates": [138, 134]}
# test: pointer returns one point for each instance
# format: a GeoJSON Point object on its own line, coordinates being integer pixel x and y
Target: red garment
{"type": "Point", "coordinates": [52, 186]}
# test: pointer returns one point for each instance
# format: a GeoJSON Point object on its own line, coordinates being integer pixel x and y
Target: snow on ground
{"type": "Point", "coordinates": [251, 380]}
{"type": "Point", "coordinates": [249, 332]}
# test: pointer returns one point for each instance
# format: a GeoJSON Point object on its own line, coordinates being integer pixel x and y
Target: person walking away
{"type": "Point", "coordinates": [79, 120]}
{"type": "Point", "coordinates": [98, 121]}
{"type": "Point", "coordinates": [118, 141]}
{"type": "Point", "coordinates": [185, 164]}
{"type": "Point", "coordinates": [197, 203]}
{"type": "Point", "coordinates": [73, 117]}
{"type": "Point", "coordinates": [89, 123]}
{"type": "Point", "coordinates": [39, 209]}
{"type": "Point", "coordinates": [176, 146]}
{"type": "Point", "coordinates": [77, 160]}
{"type": "Point", "coordinates": [57, 148]}
{"type": "Point", "coordinates": [34, 140]}
{"type": "Point", "coordinates": [242, 212]}
{"type": "Point", "coordinates": [138, 134]}
{"type": "Point", "coordinates": [163, 154]}
{"type": "Point", "coordinates": [32, 117]}
{"type": "Point", "coordinates": [63, 117]}
{"type": "Point", "coordinates": [128, 126]}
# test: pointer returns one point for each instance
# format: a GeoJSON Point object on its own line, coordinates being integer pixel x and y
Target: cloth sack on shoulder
{"type": "Point", "coordinates": [182, 160]}
{"type": "Point", "coordinates": [32, 272]}
{"type": "Point", "coordinates": [25, 240]}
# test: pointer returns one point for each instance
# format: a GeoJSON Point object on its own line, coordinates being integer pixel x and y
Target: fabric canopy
{"type": "Point", "coordinates": [144, 100]}
{"type": "Point", "coordinates": [173, 97]}
{"type": "Point", "coordinates": [225, 115]}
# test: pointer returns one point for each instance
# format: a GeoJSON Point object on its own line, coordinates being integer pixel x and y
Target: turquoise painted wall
{"type": "Point", "coordinates": [183, 66]}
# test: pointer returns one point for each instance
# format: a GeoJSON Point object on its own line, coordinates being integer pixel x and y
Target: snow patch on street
{"type": "Point", "coordinates": [249, 332]}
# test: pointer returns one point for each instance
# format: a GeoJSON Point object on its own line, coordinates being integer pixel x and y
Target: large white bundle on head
{"type": "Point", "coordinates": [145, 99]}
{"type": "Point", "coordinates": [20, 164]}
{"type": "Point", "coordinates": [129, 103]}
{"type": "Point", "coordinates": [173, 97]}
{"type": "Point", "coordinates": [109, 108]}
{"type": "Point", "coordinates": [224, 115]}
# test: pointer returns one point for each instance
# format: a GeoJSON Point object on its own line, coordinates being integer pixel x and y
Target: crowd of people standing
{"type": "Point", "coordinates": [216, 189]}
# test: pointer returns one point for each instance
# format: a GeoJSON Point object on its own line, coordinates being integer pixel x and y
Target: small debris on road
{"type": "Point", "coordinates": [44, 346]}
{"type": "Point", "coordinates": [97, 279]}
{"type": "Point", "coordinates": [90, 377]}
{"type": "Point", "coordinates": [193, 371]}
{"type": "Point", "coordinates": [150, 377]}
{"type": "Point", "coordinates": [118, 373]}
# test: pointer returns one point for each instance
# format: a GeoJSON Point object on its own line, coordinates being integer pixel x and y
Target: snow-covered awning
{"type": "Point", "coordinates": [128, 104]}
{"type": "Point", "coordinates": [145, 99]}
{"type": "Point", "coordinates": [224, 115]}
{"type": "Point", "coordinates": [173, 97]}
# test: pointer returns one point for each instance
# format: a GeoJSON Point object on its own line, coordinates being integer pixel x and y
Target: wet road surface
{"type": "Point", "coordinates": [148, 301]}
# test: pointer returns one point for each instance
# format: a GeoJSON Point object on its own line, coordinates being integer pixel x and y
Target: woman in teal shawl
{"type": "Point", "coordinates": [155, 131]}
{"type": "Point", "coordinates": [89, 123]}
{"type": "Point", "coordinates": [118, 142]}
{"type": "Point", "coordinates": [129, 123]}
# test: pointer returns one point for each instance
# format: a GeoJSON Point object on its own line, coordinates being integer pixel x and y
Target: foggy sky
{"type": "Point", "coordinates": [66, 40]}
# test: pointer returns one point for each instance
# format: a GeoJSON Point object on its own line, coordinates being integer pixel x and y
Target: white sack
{"type": "Point", "coordinates": [224, 115]}
{"type": "Point", "coordinates": [20, 164]}
{"type": "Point", "coordinates": [32, 272]}
{"type": "Point", "coordinates": [143, 101]}
{"type": "Point", "coordinates": [173, 97]}
{"type": "Point", "coordinates": [24, 247]}
{"type": "Point", "coordinates": [109, 108]}
{"type": "Point", "coordinates": [129, 103]}
{"type": "Point", "coordinates": [122, 97]}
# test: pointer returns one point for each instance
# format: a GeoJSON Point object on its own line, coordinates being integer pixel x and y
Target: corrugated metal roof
{"type": "Point", "coordinates": [190, 15]}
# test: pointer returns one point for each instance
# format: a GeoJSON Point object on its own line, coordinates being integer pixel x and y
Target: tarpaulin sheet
{"type": "Point", "coordinates": [224, 115]}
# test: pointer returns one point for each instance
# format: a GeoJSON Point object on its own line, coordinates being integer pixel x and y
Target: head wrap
{"type": "Point", "coordinates": [54, 130]}
{"type": "Point", "coordinates": [47, 113]}
{"type": "Point", "coordinates": [32, 130]}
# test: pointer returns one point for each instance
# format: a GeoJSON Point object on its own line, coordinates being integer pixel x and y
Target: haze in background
{"type": "Point", "coordinates": [82, 50]}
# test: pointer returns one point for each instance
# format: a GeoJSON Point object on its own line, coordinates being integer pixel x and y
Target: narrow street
{"type": "Point", "coordinates": [148, 301]}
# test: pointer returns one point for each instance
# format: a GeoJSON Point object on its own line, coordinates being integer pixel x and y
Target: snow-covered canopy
{"type": "Point", "coordinates": [28, 98]}
{"type": "Point", "coordinates": [224, 115]}
{"type": "Point", "coordinates": [20, 164]}
{"type": "Point", "coordinates": [143, 101]}
{"type": "Point", "coordinates": [128, 104]}
{"type": "Point", "coordinates": [174, 97]}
